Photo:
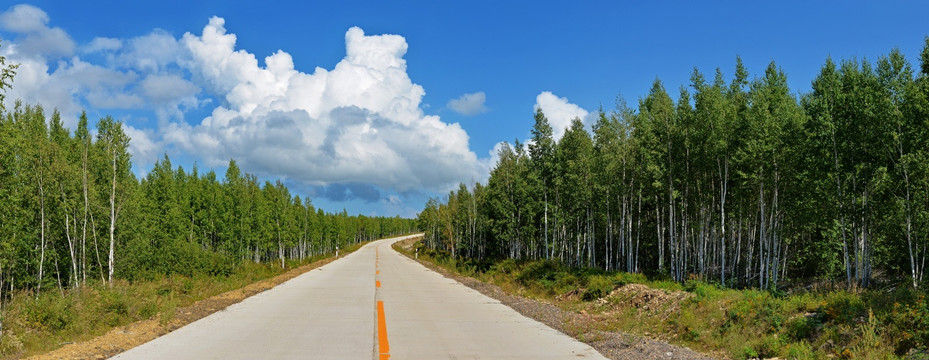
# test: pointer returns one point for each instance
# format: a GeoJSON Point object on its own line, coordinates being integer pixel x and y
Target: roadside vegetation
{"type": "Point", "coordinates": [38, 324]}
{"type": "Point", "coordinates": [797, 222]}
{"type": "Point", "coordinates": [821, 321]}
{"type": "Point", "coordinates": [86, 245]}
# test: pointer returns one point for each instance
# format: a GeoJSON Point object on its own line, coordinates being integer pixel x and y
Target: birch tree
{"type": "Point", "coordinates": [114, 145]}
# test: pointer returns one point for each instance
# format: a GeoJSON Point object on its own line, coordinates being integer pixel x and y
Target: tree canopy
{"type": "Point", "coordinates": [742, 182]}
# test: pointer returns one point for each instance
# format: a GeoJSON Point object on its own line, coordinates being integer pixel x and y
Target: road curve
{"type": "Point", "coordinates": [371, 304]}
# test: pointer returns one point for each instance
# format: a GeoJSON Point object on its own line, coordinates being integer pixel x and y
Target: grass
{"type": "Point", "coordinates": [740, 324]}
{"type": "Point", "coordinates": [34, 325]}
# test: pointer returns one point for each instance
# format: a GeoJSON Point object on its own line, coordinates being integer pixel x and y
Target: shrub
{"type": "Point", "coordinates": [842, 307]}
{"type": "Point", "coordinates": [703, 290]}
{"type": "Point", "coordinates": [748, 353]}
{"type": "Point", "coordinates": [911, 322]}
{"type": "Point", "coordinates": [598, 286]}
{"type": "Point", "coordinates": [505, 267]}
{"type": "Point", "coordinates": [800, 351]}
{"type": "Point", "coordinates": [49, 312]}
{"type": "Point", "coordinates": [624, 278]}
{"type": "Point", "coordinates": [801, 327]}
{"type": "Point", "coordinates": [538, 270]}
{"type": "Point", "coordinates": [10, 344]}
{"type": "Point", "coordinates": [566, 282]}
{"type": "Point", "coordinates": [114, 307]}
{"type": "Point", "coordinates": [770, 346]}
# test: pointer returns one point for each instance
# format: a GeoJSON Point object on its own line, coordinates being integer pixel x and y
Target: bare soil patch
{"type": "Point", "coordinates": [647, 300]}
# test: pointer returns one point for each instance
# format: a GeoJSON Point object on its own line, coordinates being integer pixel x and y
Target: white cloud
{"type": "Point", "coordinates": [70, 85]}
{"type": "Point", "coordinates": [153, 52]}
{"type": "Point", "coordinates": [168, 89]}
{"type": "Point", "coordinates": [559, 112]}
{"type": "Point", "coordinates": [141, 145]}
{"type": "Point", "coordinates": [360, 122]}
{"type": "Point", "coordinates": [469, 104]}
{"type": "Point", "coordinates": [103, 44]}
{"type": "Point", "coordinates": [141, 73]}
{"type": "Point", "coordinates": [358, 125]}
{"type": "Point", "coordinates": [37, 40]}
{"type": "Point", "coordinates": [23, 18]}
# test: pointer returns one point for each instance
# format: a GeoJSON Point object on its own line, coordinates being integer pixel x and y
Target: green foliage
{"type": "Point", "coordinates": [506, 267]}
{"type": "Point", "coordinates": [704, 291]}
{"type": "Point", "coordinates": [802, 327]}
{"type": "Point", "coordinates": [73, 212]}
{"type": "Point", "coordinates": [740, 323]}
{"type": "Point", "coordinates": [739, 182]}
{"type": "Point", "coordinates": [598, 286]}
{"type": "Point", "coordinates": [842, 307]}
{"type": "Point", "coordinates": [114, 307]}
{"type": "Point", "coordinates": [7, 72]}
{"type": "Point", "coordinates": [800, 350]}
{"type": "Point", "coordinates": [911, 321]}
{"type": "Point", "coordinates": [49, 313]}
{"type": "Point", "coordinates": [538, 271]}
{"type": "Point", "coordinates": [748, 353]}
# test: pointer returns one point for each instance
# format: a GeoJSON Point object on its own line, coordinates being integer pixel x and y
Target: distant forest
{"type": "Point", "coordinates": [740, 182]}
{"type": "Point", "coordinates": [71, 211]}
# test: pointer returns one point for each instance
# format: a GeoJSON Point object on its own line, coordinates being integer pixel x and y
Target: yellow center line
{"type": "Point", "coordinates": [383, 345]}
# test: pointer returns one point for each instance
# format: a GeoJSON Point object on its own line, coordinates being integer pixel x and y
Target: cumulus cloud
{"type": "Point", "coordinates": [355, 131]}
{"type": "Point", "coordinates": [163, 89]}
{"type": "Point", "coordinates": [36, 38]}
{"type": "Point", "coordinates": [73, 85]}
{"type": "Point", "coordinates": [469, 104]}
{"type": "Point", "coordinates": [559, 112]}
{"type": "Point", "coordinates": [359, 123]}
{"type": "Point", "coordinates": [24, 19]}
{"type": "Point", "coordinates": [153, 52]}
{"type": "Point", "coordinates": [140, 73]}
{"type": "Point", "coordinates": [170, 94]}
{"type": "Point", "coordinates": [103, 44]}
{"type": "Point", "coordinates": [142, 145]}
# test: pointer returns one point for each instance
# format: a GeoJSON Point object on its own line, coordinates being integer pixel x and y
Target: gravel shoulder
{"type": "Point", "coordinates": [612, 344]}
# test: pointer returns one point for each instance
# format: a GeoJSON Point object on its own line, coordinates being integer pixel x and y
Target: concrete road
{"type": "Point", "coordinates": [371, 304]}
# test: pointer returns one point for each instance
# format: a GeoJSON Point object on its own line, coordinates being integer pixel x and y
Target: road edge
{"type": "Point", "coordinates": [123, 338]}
{"type": "Point", "coordinates": [637, 344]}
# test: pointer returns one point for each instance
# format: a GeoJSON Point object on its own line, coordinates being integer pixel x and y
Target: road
{"type": "Point", "coordinates": [372, 304]}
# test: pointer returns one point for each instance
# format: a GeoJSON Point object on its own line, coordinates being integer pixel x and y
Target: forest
{"type": "Point", "coordinates": [73, 212]}
{"type": "Point", "coordinates": [739, 181]}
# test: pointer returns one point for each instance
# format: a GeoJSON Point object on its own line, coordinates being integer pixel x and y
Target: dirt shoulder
{"type": "Point", "coordinates": [126, 337]}
{"type": "Point", "coordinates": [582, 326]}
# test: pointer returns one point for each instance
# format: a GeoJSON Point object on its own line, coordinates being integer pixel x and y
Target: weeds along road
{"type": "Point", "coordinates": [373, 304]}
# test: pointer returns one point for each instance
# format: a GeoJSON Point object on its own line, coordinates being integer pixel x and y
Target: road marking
{"type": "Point", "coordinates": [383, 346]}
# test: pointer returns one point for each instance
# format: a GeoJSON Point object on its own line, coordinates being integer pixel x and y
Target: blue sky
{"type": "Point", "coordinates": [379, 132]}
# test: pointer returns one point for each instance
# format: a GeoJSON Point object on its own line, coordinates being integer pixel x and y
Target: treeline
{"type": "Point", "coordinates": [71, 211]}
{"type": "Point", "coordinates": [738, 182]}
